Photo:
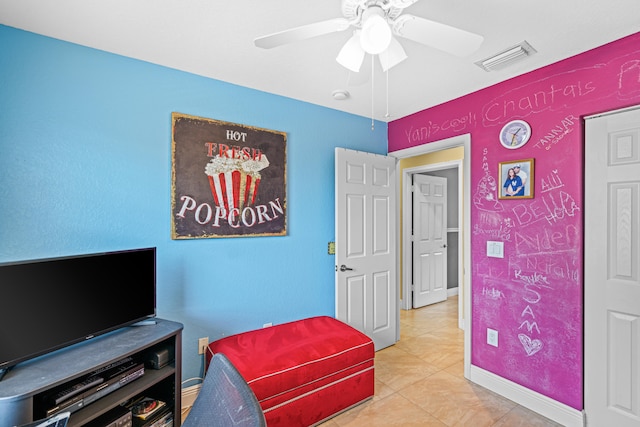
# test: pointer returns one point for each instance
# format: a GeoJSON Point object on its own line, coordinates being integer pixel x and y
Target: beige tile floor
{"type": "Point", "coordinates": [419, 381]}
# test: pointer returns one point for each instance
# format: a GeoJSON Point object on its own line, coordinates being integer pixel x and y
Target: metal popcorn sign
{"type": "Point", "coordinates": [228, 180]}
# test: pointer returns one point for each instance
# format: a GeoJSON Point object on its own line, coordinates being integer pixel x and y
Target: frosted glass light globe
{"type": "Point", "coordinates": [376, 34]}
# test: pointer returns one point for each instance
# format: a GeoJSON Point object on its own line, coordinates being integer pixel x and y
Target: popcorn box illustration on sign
{"type": "Point", "coordinates": [234, 180]}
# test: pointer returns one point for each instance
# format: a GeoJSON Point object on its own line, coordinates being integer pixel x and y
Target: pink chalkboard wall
{"type": "Point", "coordinates": [532, 296]}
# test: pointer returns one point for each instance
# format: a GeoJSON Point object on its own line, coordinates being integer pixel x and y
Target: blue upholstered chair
{"type": "Point", "coordinates": [225, 399]}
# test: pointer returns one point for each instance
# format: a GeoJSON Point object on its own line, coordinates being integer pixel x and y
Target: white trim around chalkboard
{"type": "Point", "coordinates": [543, 405]}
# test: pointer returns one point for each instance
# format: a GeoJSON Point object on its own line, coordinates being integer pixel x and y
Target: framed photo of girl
{"type": "Point", "coordinates": [516, 179]}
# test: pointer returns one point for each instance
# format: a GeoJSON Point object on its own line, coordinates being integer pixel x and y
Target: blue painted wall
{"type": "Point", "coordinates": [85, 166]}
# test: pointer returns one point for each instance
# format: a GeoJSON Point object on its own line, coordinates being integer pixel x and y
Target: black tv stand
{"type": "Point", "coordinates": [22, 392]}
{"type": "Point", "coordinates": [147, 322]}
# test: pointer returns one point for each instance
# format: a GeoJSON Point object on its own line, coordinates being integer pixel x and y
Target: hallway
{"type": "Point", "coordinates": [420, 382]}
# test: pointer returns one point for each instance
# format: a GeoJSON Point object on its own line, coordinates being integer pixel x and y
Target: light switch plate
{"type": "Point", "coordinates": [331, 249]}
{"type": "Point", "coordinates": [495, 249]}
{"type": "Point", "coordinates": [492, 337]}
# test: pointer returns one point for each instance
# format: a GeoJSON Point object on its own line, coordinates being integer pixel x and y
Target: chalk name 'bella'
{"type": "Point", "coordinates": [249, 216]}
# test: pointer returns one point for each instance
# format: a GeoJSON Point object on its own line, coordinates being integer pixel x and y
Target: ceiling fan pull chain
{"type": "Point", "coordinates": [387, 90]}
{"type": "Point", "coordinates": [372, 91]}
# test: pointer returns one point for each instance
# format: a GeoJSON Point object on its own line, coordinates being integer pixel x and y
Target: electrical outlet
{"type": "Point", "coordinates": [492, 337]}
{"type": "Point", "coordinates": [202, 345]}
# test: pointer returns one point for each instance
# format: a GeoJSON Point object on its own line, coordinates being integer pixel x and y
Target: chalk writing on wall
{"type": "Point", "coordinates": [531, 347]}
{"type": "Point", "coordinates": [459, 124]}
{"type": "Point", "coordinates": [561, 90]}
{"type": "Point", "coordinates": [552, 206]}
{"type": "Point", "coordinates": [545, 257]}
{"type": "Point", "coordinates": [532, 284]}
{"type": "Point", "coordinates": [551, 182]}
{"type": "Point", "coordinates": [485, 197]}
{"type": "Point", "coordinates": [492, 293]}
{"type": "Point", "coordinates": [493, 280]}
{"type": "Point", "coordinates": [494, 226]}
{"type": "Point", "coordinates": [565, 89]}
{"type": "Point", "coordinates": [629, 79]}
{"type": "Point", "coordinates": [557, 133]}
{"type": "Point", "coordinates": [552, 92]}
{"type": "Point", "coordinates": [564, 268]}
{"type": "Point", "coordinates": [541, 276]}
{"type": "Point", "coordinates": [618, 78]}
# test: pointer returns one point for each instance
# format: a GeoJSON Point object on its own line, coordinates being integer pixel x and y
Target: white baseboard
{"type": "Point", "coordinates": [189, 395]}
{"type": "Point", "coordinates": [556, 411]}
{"type": "Point", "coordinates": [452, 291]}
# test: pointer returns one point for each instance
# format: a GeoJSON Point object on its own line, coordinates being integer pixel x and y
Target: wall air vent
{"type": "Point", "coordinates": [507, 57]}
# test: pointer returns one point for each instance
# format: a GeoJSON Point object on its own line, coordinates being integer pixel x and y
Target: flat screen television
{"type": "Point", "coordinates": [48, 304]}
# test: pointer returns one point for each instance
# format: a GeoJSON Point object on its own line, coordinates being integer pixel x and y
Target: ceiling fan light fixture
{"type": "Point", "coordinates": [351, 55]}
{"type": "Point", "coordinates": [376, 33]}
{"type": "Point", "coordinates": [391, 57]}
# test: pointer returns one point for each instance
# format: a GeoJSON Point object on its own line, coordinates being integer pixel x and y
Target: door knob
{"type": "Point", "coordinates": [345, 268]}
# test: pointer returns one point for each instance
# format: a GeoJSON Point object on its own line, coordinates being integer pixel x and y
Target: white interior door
{"type": "Point", "coordinates": [612, 262]}
{"type": "Point", "coordinates": [366, 282]}
{"type": "Point", "coordinates": [429, 240]}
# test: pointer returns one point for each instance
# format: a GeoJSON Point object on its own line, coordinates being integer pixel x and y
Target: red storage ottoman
{"type": "Point", "coordinates": [303, 372]}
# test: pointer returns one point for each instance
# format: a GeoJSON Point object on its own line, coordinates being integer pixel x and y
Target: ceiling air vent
{"type": "Point", "coordinates": [507, 57]}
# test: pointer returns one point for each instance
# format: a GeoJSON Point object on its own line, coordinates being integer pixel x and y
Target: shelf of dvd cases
{"type": "Point", "coordinates": [130, 363]}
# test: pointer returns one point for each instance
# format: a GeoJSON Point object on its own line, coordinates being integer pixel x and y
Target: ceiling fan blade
{"type": "Point", "coordinates": [351, 55]}
{"type": "Point", "coordinates": [302, 33]}
{"type": "Point", "coordinates": [441, 36]}
{"type": "Point", "coordinates": [401, 4]}
{"type": "Point", "coordinates": [394, 55]}
{"type": "Point", "coordinates": [361, 77]}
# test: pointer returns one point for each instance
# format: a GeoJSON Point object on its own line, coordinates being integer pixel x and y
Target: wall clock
{"type": "Point", "coordinates": [515, 134]}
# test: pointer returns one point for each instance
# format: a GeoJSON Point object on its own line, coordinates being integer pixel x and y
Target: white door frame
{"type": "Point", "coordinates": [407, 212]}
{"type": "Point", "coordinates": [465, 225]}
{"type": "Point", "coordinates": [609, 304]}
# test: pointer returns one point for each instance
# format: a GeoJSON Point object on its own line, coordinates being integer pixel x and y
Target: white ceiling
{"type": "Point", "coordinates": [214, 38]}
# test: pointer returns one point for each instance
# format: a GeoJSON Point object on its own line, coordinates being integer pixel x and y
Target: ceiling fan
{"type": "Point", "coordinates": [375, 23]}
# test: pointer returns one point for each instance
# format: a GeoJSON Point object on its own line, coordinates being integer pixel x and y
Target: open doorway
{"type": "Point", "coordinates": [422, 159]}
